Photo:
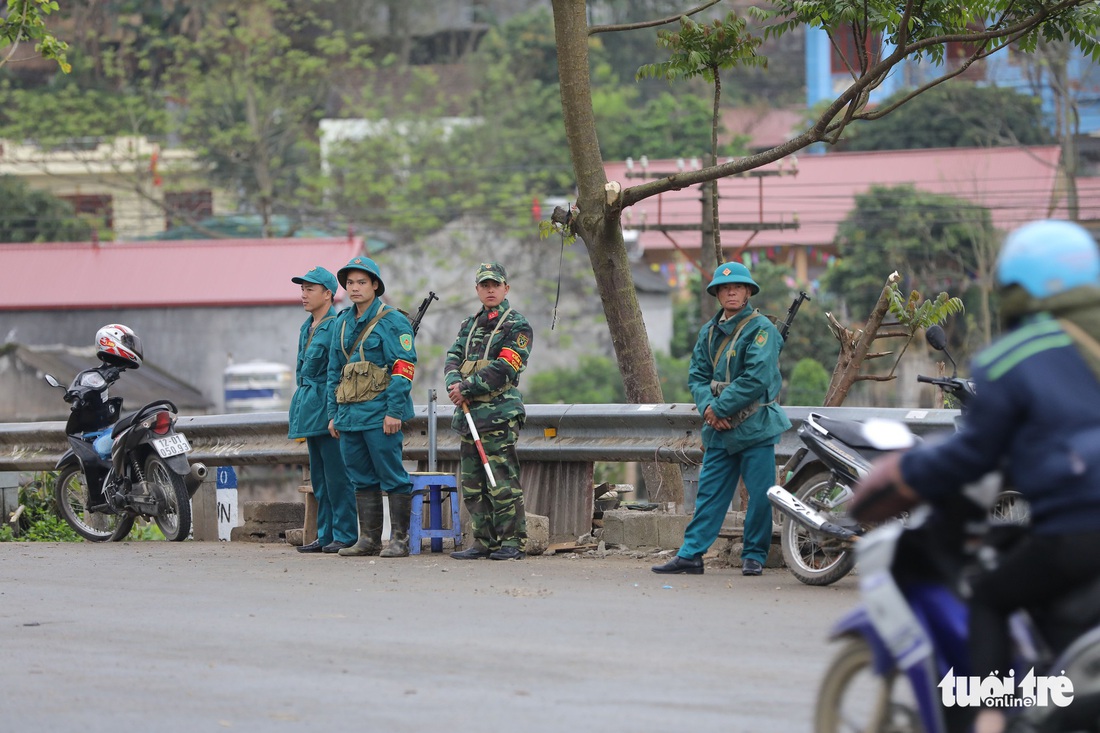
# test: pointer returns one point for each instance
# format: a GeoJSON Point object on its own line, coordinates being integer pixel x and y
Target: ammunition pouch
{"type": "Point", "coordinates": [361, 381]}
{"type": "Point", "coordinates": [469, 367]}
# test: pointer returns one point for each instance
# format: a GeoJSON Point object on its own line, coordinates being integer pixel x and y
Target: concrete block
{"type": "Point", "coordinates": [641, 530]}
{"type": "Point", "coordinates": [614, 522]}
{"type": "Point", "coordinates": [670, 530]}
{"type": "Point", "coordinates": [290, 513]}
{"type": "Point", "coordinates": [538, 534]}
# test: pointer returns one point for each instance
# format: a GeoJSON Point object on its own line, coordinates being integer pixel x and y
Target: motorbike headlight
{"type": "Point", "coordinates": [94, 380]}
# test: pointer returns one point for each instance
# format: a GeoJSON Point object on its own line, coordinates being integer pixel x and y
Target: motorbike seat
{"type": "Point", "coordinates": [849, 432]}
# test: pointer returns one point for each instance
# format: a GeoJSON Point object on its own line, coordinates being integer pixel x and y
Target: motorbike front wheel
{"type": "Point", "coordinates": [853, 697]}
{"type": "Point", "coordinates": [175, 520]}
{"type": "Point", "coordinates": [73, 497]}
{"type": "Point", "coordinates": [812, 559]}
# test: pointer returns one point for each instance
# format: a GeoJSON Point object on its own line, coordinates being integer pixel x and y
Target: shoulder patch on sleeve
{"type": "Point", "coordinates": [522, 341]}
{"type": "Point", "coordinates": [761, 338]}
{"type": "Point", "coordinates": [406, 341]}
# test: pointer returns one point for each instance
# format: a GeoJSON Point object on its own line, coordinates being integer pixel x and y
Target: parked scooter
{"type": "Point", "coordinates": [816, 533]}
{"type": "Point", "coordinates": [904, 665]}
{"type": "Point", "coordinates": [118, 470]}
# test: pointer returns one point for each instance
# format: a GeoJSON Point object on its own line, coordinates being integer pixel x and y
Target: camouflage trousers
{"type": "Point", "coordinates": [496, 513]}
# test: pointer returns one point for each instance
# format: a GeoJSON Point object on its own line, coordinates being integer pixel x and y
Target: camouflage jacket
{"type": "Point", "coordinates": [487, 357]}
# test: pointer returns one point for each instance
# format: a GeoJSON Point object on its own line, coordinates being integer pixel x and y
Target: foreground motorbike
{"type": "Point", "coordinates": [816, 534]}
{"type": "Point", "coordinates": [117, 470]}
{"type": "Point", "coordinates": [904, 664]}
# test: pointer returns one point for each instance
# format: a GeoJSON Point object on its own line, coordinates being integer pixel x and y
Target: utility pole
{"type": "Point", "coordinates": [707, 260]}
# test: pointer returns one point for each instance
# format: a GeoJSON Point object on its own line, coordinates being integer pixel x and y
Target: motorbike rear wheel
{"type": "Point", "coordinates": [853, 697]}
{"type": "Point", "coordinates": [813, 560]}
{"type": "Point", "coordinates": [1011, 507]}
{"type": "Point", "coordinates": [175, 522]}
{"type": "Point", "coordinates": [71, 492]}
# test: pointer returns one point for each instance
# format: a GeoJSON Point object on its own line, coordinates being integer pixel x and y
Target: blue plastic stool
{"type": "Point", "coordinates": [433, 485]}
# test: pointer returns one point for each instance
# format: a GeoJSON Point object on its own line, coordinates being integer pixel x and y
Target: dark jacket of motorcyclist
{"type": "Point", "coordinates": [1038, 409]}
{"type": "Point", "coordinates": [1036, 413]}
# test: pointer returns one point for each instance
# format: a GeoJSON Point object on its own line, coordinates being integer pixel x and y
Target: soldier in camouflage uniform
{"type": "Point", "coordinates": [482, 374]}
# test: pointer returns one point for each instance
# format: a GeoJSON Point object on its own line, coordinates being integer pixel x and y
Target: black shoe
{"type": "Point", "coordinates": [314, 546]}
{"type": "Point", "coordinates": [507, 553]}
{"type": "Point", "coordinates": [751, 567]}
{"type": "Point", "coordinates": [681, 565]}
{"type": "Point", "coordinates": [333, 547]}
{"type": "Point", "coordinates": [473, 552]}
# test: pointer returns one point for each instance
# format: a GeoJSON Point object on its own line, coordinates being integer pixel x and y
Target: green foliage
{"type": "Point", "coordinates": [931, 240]}
{"type": "Point", "coordinates": [254, 93]}
{"type": "Point", "coordinates": [936, 21]}
{"type": "Point", "coordinates": [25, 21]}
{"type": "Point", "coordinates": [595, 380]}
{"type": "Point", "coordinates": [916, 313]}
{"type": "Point", "coordinates": [40, 521]}
{"type": "Point", "coordinates": [71, 116]}
{"type": "Point", "coordinates": [809, 383]}
{"type": "Point", "coordinates": [27, 215]}
{"type": "Point", "coordinates": [702, 49]}
{"type": "Point", "coordinates": [669, 126]}
{"type": "Point", "coordinates": [953, 116]}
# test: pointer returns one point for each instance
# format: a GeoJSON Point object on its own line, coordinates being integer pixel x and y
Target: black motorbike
{"type": "Point", "coordinates": [816, 533]}
{"type": "Point", "coordinates": [117, 470]}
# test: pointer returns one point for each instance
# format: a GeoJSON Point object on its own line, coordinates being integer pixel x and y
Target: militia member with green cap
{"type": "Point", "coordinates": [482, 374]}
{"type": "Point", "coordinates": [734, 378]}
{"type": "Point", "coordinates": [308, 416]}
{"type": "Point", "coordinates": [370, 372]}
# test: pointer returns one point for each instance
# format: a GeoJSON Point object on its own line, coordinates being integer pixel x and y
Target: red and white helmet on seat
{"type": "Point", "coordinates": [118, 346]}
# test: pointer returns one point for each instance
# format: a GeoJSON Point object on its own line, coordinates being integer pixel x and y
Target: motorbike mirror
{"type": "Point", "coordinates": [935, 337]}
{"type": "Point", "coordinates": [888, 434]}
{"type": "Point", "coordinates": [52, 382]}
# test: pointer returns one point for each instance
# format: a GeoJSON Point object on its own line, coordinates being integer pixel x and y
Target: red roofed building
{"type": "Point", "coordinates": [198, 306]}
{"type": "Point", "coordinates": [812, 194]}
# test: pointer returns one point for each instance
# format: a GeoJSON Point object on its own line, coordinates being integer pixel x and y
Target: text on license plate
{"type": "Point", "coordinates": [173, 445]}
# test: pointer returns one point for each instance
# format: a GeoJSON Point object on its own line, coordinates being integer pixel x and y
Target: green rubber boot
{"type": "Point", "coordinates": [400, 508]}
{"type": "Point", "coordinates": [369, 505]}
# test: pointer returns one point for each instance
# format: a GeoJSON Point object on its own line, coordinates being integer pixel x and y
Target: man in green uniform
{"type": "Point", "coordinates": [482, 375]}
{"type": "Point", "coordinates": [308, 416]}
{"type": "Point", "coordinates": [734, 378]}
{"type": "Point", "coordinates": [370, 371]}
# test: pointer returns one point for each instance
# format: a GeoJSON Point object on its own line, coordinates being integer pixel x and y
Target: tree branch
{"type": "Point", "coordinates": [875, 378]}
{"type": "Point", "coordinates": [648, 23]}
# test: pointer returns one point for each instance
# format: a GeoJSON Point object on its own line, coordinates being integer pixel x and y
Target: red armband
{"type": "Point", "coordinates": [513, 358]}
{"type": "Point", "coordinates": [402, 368]}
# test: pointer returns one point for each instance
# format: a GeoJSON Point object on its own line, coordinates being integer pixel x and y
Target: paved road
{"type": "Point", "coordinates": [231, 636]}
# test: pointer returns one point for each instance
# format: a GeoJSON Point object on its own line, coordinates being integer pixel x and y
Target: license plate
{"type": "Point", "coordinates": [173, 445]}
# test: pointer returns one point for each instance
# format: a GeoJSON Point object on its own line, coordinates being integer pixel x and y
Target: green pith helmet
{"type": "Point", "coordinates": [732, 272]}
{"type": "Point", "coordinates": [367, 265]}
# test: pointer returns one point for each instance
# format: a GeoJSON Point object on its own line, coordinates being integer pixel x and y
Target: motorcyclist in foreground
{"type": "Point", "coordinates": [1037, 415]}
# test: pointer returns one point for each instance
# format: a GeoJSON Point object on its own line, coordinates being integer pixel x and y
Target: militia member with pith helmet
{"type": "Point", "coordinates": [371, 366]}
{"type": "Point", "coordinates": [482, 375]}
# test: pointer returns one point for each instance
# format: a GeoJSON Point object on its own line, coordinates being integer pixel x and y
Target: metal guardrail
{"type": "Point", "coordinates": [578, 433]}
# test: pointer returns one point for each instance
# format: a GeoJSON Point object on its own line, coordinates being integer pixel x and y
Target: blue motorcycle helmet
{"type": "Point", "coordinates": [732, 272]}
{"type": "Point", "coordinates": [1048, 257]}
